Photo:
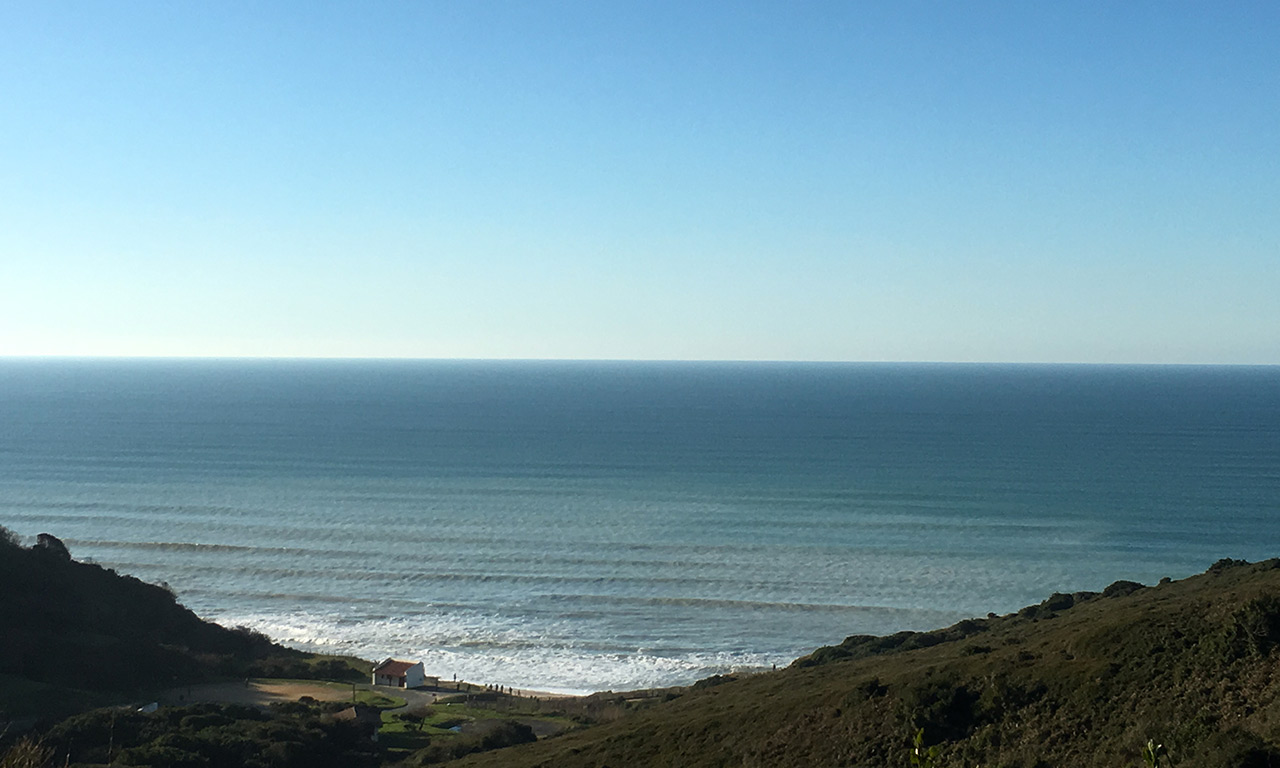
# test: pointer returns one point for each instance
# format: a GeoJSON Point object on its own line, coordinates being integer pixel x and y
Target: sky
{"type": "Point", "coordinates": [897, 181]}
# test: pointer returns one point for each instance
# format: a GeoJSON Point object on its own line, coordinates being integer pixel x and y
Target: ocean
{"type": "Point", "coordinates": [581, 526]}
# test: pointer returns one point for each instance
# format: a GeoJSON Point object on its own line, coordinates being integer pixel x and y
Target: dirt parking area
{"type": "Point", "coordinates": [254, 693]}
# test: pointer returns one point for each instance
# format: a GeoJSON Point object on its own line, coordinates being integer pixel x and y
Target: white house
{"type": "Point", "coordinates": [401, 674]}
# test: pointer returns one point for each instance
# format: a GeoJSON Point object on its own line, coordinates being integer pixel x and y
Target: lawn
{"type": "Point", "coordinates": [370, 698]}
{"type": "Point", "coordinates": [399, 735]}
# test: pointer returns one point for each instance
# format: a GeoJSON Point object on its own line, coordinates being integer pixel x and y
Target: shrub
{"type": "Point", "coordinates": [47, 542]}
{"type": "Point", "coordinates": [920, 755]}
{"type": "Point", "coordinates": [870, 689]}
{"type": "Point", "coordinates": [945, 709]}
{"type": "Point", "coordinates": [157, 756]}
{"type": "Point", "coordinates": [1255, 626]}
{"type": "Point", "coordinates": [1122, 589]}
{"type": "Point", "coordinates": [1227, 563]}
{"type": "Point", "coordinates": [1236, 748]}
{"type": "Point", "coordinates": [9, 539]}
{"type": "Point", "coordinates": [714, 680]}
{"type": "Point", "coordinates": [27, 753]}
{"type": "Point", "coordinates": [414, 718]}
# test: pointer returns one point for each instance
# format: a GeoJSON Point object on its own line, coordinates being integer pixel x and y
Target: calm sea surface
{"type": "Point", "coordinates": [582, 525]}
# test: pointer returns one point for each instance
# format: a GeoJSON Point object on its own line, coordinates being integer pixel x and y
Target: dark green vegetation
{"type": "Point", "coordinates": [213, 736]}
{"type": "Point", "coordinates": [1188, 669]}
{"type": "Point", "coordinates": [75, 634]}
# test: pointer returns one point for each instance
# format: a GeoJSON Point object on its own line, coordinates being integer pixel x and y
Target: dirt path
{"type": "Point", "coordinates": [412, 697]}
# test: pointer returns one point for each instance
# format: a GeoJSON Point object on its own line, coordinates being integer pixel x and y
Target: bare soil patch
{"type": "Point", "coordinates": [255, 693]}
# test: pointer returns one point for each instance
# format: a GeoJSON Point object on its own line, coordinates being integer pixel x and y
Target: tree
{"type": "Point", "coordinates": [52, 544]}
{"type": "Point", "coordinates": [9, 539]}
{"type": "Point", "coordinates": [415, 717]}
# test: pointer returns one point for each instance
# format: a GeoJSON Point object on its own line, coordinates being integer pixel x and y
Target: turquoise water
{"type": "Point", "coordinates": [583, 526]}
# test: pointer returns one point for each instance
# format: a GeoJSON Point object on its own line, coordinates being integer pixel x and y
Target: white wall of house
{"type": "Point", "coordinates": [414, 676]}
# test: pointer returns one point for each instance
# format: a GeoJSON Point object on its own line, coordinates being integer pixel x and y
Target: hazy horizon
{"type": "Point", "coordinates": [763, 361]}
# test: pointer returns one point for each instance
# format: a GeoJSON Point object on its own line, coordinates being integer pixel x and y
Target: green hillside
{"type": "Point", "coordinates": [70, 630]}
{"type": "Point", "coordinates": [1079, 680]}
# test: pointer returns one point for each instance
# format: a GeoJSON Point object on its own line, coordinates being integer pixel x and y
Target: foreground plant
{"type": "Point", "coordinates": [1155, 755]}
{"type": "Point", "coordinates": [922, 756]}
{"type": "Point", "coordinates": [27, 753]}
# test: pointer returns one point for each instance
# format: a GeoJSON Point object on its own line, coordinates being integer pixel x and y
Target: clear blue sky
{"type": "Point", "coordinates": [1018, 181]}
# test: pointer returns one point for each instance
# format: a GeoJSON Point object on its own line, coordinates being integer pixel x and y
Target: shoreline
{"type": "Point", "coordinates": [263, 691]}
{"type": "Point", "coordinates": [652, 672]}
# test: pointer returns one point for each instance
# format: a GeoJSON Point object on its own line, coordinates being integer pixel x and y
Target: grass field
{"type": "Point", "coordinates": [398, 734]}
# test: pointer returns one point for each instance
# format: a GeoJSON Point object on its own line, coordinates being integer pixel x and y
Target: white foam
{"type": "Point", "coordinates": [481, 650]}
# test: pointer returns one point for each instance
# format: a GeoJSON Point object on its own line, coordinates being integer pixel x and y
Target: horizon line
{"type": "Point", "coordinates": [761, 361]}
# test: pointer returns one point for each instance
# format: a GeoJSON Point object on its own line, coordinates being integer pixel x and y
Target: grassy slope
{"type": "Point", "coordinates": [1191, 664]}
{"type": "Point", "coordinates": [74, 634]}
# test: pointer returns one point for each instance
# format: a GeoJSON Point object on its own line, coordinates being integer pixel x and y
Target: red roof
{"type": "Point", "coordinates": [394, 668]}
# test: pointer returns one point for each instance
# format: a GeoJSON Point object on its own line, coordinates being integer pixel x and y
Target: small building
{"type": "Point", "coordinates": [368, 719]}
{"type": "Point", "coordinates": [401, 674]}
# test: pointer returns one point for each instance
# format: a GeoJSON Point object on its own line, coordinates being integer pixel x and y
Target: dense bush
{"type": "Point", "coordinates": [1122, 589]}
{"type": "Point", "coordinates": [213, 736]}
{"type": "Point", "coordinates": [9, 539]}
{"type": "Point", "coordinates": [1255, 626]}
{"type": "Point", "coordinates": [944, 709]}
{"type": "Point", "coordinates": [861, 646]}
{"type": "Point", "coordinates": [1236, 748]}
